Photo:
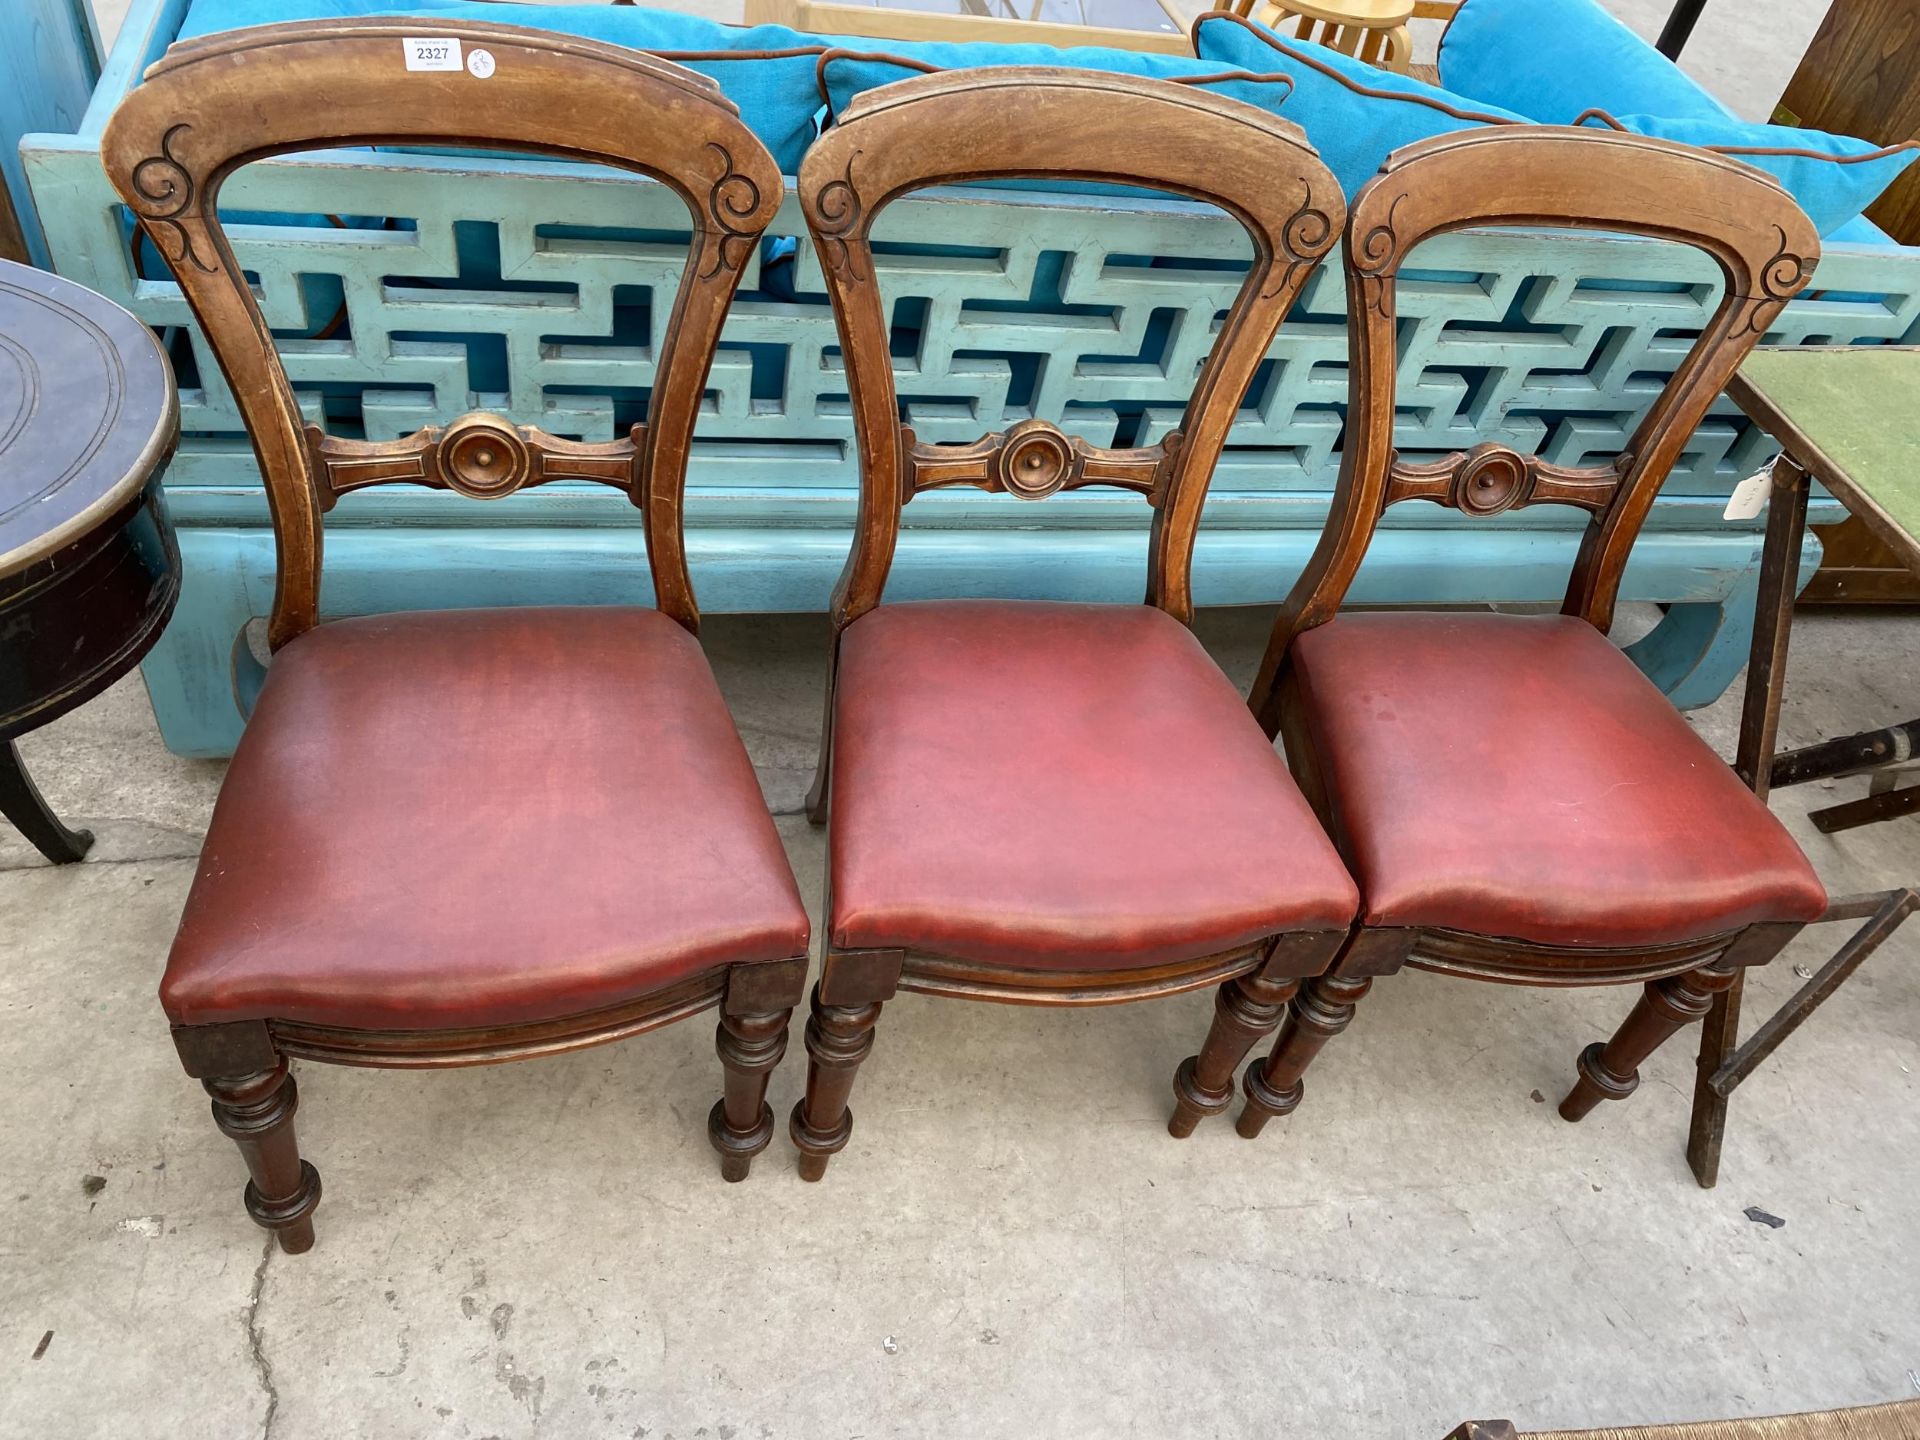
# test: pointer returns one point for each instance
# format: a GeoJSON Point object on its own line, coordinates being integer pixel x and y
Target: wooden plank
{"type": "Point", "coordinates": [1861, 76]}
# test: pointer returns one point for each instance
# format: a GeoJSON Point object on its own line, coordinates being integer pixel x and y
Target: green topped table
{"type": "Point", "coordinates": [1848, 417]}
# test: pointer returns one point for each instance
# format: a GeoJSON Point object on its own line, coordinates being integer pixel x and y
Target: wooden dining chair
{"type": "Point", "coordinates": [1373, 31]}
{"type": "Point", "coordinates": [460, 837]}
{"type": "Point", "coordinates": [1517, 801]}
{"type": "Point", "coordinates": [1033, 802]}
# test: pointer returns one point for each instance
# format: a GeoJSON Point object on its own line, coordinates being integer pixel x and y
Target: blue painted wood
{"type": "Point", "coordinates": [525, 287]}
{"type": "Point", "coordinates": [49, 61]}
{"type": "Point", "coordinates": [198, 677]}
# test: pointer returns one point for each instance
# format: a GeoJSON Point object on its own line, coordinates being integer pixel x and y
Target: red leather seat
{"type": "Point", "coordinates": [1518, 776]}
{"type": "Point", "coordinates": [470, 818]}
{"type": "Point", "coordinates": [1051, 786]}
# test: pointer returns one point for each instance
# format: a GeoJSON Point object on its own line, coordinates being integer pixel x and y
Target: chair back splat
{"type": "Point", "coordinates": [210, 106]}
{"type": "Point", "coordinates": [1763, 242]}
{"type": "Point", "coordinates": [1070, 125]}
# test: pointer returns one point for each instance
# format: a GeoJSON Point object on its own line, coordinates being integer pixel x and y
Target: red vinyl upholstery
{"type": "Point", "coordinates": [1518, 776]}
{"type": "Point", "coordinates": [482, 817]}
{"type": "Point", "coordinates": [1054, 786]}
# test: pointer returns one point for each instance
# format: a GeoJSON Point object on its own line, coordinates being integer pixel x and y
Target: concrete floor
{"type": "Point", "coordinates": [1011, 1245]}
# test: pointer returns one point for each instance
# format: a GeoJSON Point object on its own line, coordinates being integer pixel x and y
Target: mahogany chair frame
{"type": "Point", "coordinates": [1073, 125]}
{"type": "Point", "coordinates": [209, 107]}
{"type": "Point", "coordinates": [1533, 176]}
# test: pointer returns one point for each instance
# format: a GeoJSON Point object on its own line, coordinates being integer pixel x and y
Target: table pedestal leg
{"type": "Point", "coordinates": [21, 803]}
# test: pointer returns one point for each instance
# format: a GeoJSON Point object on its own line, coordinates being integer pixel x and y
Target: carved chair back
{"type": "Point", "coordinates": [210, 106]}
{"type": "Point", "coordinates": [1764, 244]}
{"type": "Point", "coordinates": [1060, 124]}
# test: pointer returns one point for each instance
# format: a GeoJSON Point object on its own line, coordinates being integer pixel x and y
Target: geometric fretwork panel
{"type": "Point", "coordinates": [537, 290]}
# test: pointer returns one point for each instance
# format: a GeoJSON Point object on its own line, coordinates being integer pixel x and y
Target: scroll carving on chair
{"type": "Point", "coordinates": [1039, 803]}
{"type": "Point", "coordinates": [460, 837]}
{"type": "Point", "coordinates": [1515, 800]}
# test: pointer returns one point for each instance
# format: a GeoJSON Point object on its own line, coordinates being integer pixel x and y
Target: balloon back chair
{"type": "Point", "coordinates": [1517, 802]}
{"type": "Point", "coordinates": [462, 837]}
{"type": "Point", "coordinates": [1048, 803]}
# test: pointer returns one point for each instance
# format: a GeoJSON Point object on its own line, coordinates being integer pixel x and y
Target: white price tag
{"type": "Point", "coordinates": [1749, 497]}
{"type": "Point", "coordinates": [480, 63]}
{"type": "Point", "coordinates": [432, 54]}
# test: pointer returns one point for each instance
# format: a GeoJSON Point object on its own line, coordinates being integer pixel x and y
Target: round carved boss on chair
{"type": "Point", "coordinates": [1034, 461]}
{"type": "Point", "coordinates": [483, 457]}
{"type": "Point", "coordinates": [1493, 479]}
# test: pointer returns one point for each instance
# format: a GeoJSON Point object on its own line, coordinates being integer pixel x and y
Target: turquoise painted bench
{"type": "Point", "coordinates": [520, 286]}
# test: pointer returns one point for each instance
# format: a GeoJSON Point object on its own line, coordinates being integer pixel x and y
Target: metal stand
{"type": "Point", "coordinates": [1679, 26]}
{"type": "Point", "coordinates": [1724, 1062]}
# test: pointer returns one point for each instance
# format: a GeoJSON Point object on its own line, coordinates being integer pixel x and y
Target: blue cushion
{"type": "Point", "coordinates": [1554, 59]}
{"type": "Point", "coordinates": [1834, 177]}
{"type": "Point", "coordinates": [846, 73]}
{"type": "Point", "coordinates": [1355, 115]}
{"type": "Point", "coordinates": [1861, 231]}
{"type": "Point", "coordinates": [776, 92]}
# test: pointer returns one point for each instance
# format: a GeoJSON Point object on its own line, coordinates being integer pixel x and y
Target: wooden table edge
{"type": "Point", "coordinates": [1760, 408]}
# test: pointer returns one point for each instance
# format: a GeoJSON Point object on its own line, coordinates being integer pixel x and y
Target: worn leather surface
{"type": "Point", "coordinates": [477, 818]}
{"type": "Point", "coordinates": [1053, 786]}
{"type": "Point", "coordinates": [1518, 776]}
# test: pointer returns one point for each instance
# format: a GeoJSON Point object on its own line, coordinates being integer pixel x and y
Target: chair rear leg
{"type": "Point", "coordinates": [1245, 1011]}
{"type": "Point", "coordinates": [256, 1111]}
{"type": "Point", "coordinates": [1666, 1007]}
{"type": "Point", "coordinates": [1322, 1009]}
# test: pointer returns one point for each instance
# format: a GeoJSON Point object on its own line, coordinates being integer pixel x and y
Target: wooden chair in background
{"type": "Point", "coordinates": [1375, 31]}
{"type": "Point", "coordinates": [1516, 800]}
{"type": "Point", "coordinates": [469, 836]}
{"type": "Point", "coordinates": [1040, 803]}
{"type": "Point", "coordinates": [1896, 1420]}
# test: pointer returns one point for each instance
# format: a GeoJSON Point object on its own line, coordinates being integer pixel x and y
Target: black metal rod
{"type": "Point", "coordinates": [1680, 23]}
{"type": "Point", "coordinates": [1847, 754]}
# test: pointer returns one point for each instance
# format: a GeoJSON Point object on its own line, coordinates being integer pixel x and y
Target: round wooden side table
{"type": "Point", "coordinates": [89, 571]}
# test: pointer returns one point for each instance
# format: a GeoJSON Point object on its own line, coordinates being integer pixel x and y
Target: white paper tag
{"type": "Point", "coordinates": [480, 63]}
{"type": "Point", "coordinates": [1749, 497]}
{"type": "Point", "coordinates": [432, 54]}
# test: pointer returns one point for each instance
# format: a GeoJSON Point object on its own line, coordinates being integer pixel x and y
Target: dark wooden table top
{"type": "Point", "coordinates": [87, 412]}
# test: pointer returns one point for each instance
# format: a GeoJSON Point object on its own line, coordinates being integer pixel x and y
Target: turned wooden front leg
{"type": "Point", "coordinates": [839, 1038]}
{"type": "Point", "coordinates": [751, 1040]}
{"type": "Point", "coordinates": [1245, 1011]}
{"type": "Point", "coordinates": [256, 1112]}
{"type": "Point", "coordinates": [740, 1125]}
{"type": "Point", "coordinates": [846, 1007]}
{"type": "Point", "coordinates": [1612, 1071]}
{"type": "Point", "coordinates": [1322, 1009]}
